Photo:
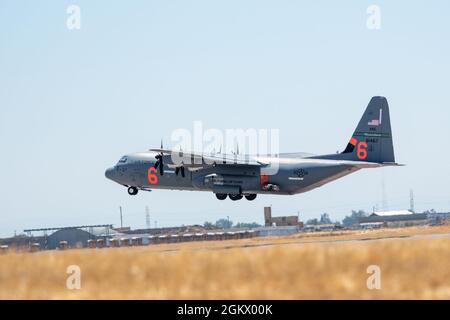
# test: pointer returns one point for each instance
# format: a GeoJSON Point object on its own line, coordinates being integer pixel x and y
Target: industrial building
{"type": "Point", "coordinates": [277, 231]}
{"type": "Point", "coordinates": [438, 217]}
{"type": "Point", "coordinates": [104, 236]}
{"type": "Point", "coordinates": [282, 221]}
{"type": "Point", "coordinates": [393, 219]}
{"type": "Point", "coordinates": [321, 227]}
{"type": "Point", "coordinates": [166, 230]}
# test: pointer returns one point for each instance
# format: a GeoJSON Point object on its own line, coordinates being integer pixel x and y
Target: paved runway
{"type": "Point", "coordinates": [275, 242]}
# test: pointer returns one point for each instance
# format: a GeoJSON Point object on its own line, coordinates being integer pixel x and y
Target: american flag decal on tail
{"type": "Point", "coordinates": [376, 122]}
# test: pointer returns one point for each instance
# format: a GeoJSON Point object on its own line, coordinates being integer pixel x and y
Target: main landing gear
{"type": "Point", "coordinates": [132, 191]}
{"type": "Point", "coordinates": [235, 197]}
{"type": "Point", "coordinates": [221, 196]}
{"type": "Point", "coordinates": [250, 197]}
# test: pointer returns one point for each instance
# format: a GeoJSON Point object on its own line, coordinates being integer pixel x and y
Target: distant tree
{"type": "Point", "coordinates": [224, 224]}
{"type": "Point", "coordinates": [325, 219]}
{"type": "Point", "coordinates": [208, 225]}
{"type": "Point", "coordinates": [247, 225]}
{"type": "Point", "coordinates": [313, 221]}
{"type": "Point", "coordinates": [353, 218]}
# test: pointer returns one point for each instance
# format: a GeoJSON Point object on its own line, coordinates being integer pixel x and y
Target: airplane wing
{"type": "Point", "coordinates": [196, 160]}
{"type": "Point", "coordinates": [296, 155]}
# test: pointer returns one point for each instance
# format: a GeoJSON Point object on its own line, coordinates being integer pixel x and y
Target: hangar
{"type": "Point", "coordinates": [76, 238]}
{"type": "Point", "coordinates": [394, 219]}
{"type": "Point", "coordinates": [73, 237]}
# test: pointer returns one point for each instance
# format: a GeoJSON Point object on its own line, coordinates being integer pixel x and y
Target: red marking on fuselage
{"type": "Point", "coordinates": [152, 177]}
{"type": "Point", "coordinates": [353, 141]}
{"type": "Point", "coordinates": [264, 179]}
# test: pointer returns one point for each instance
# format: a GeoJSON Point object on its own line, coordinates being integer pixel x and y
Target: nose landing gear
{"type": "Point", "coordinates": [132, 191]}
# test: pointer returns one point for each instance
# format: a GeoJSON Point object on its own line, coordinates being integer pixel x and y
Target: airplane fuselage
{"type": "Point", "coordinates": [294, 175]}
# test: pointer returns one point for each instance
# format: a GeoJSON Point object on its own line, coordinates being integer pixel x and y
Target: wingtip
{"type": "Point", "coordinates": [393, 164]}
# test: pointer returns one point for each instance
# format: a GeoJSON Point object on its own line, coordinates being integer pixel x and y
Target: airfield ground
{"type": "Point", "coordinates": [414, 264]}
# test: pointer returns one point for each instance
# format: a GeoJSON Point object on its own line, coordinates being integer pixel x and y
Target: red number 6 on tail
{"type": "Point", "coordinates": [361, 151]}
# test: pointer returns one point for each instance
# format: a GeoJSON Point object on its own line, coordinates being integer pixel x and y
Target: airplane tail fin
{"type": "Point", "coordinates": [372, 139]}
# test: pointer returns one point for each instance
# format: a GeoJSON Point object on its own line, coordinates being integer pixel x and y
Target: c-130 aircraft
{"type": "Point", "coordinates": [370, 146]}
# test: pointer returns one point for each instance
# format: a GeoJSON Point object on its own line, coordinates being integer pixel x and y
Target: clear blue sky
{"type": "Point", "coordinates": [73, 102]}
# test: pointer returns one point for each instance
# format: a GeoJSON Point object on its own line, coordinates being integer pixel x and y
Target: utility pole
{"type": "Point", "coordinates": [384, 202]}
{"type": "Point", "coordinates": [121, 220]}
{"type": "Point", "coordinates": [147, 217]}
{"type": "Point", "coordinates": [411, 200]}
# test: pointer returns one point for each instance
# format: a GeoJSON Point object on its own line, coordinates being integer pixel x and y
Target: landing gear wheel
{"type": "Point", "coordinates": [250, 197]}
{"type": "Point", "coordinates": [132, 191]}
{"type": "Point", "coordinates": [235, 197]}
{"type": "Point", "coordinates": [221, 196]}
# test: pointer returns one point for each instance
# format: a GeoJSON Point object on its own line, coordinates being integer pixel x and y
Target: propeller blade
{"type": "Point", "coordinates": [177, 170]}
{"type": "Point", "coordinates": [182, 172]}
{"type": "Point", "coordinates": [159, 161]}
{"type": "Point", "coordinates": [161, 166]}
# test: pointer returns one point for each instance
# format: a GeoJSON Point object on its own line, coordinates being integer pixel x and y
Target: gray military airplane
{"type": "Point", "coordinates": [235, 177]}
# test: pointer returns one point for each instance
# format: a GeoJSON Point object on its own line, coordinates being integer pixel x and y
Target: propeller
{"type": "Point", "coordinates": [180, 169]}
{"type": "Point", "coordinates": [159, 161]}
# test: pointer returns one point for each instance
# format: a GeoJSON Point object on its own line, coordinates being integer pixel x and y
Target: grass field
{"type": "Point", "coordinates": [305, 266]}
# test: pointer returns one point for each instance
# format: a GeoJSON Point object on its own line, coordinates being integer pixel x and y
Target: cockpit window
{"type": "Point", "coordinates": [123, 159]}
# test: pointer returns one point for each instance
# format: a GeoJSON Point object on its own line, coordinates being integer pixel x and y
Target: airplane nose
{"type": "Point", "coordinates": [109, 173]}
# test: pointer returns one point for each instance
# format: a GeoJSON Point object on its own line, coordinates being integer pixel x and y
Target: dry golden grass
{"type": "Point", "coordinates": [296, 267]}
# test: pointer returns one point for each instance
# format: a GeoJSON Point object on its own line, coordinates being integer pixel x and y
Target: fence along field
{"type": "Point", "coordinates": [295, 267]}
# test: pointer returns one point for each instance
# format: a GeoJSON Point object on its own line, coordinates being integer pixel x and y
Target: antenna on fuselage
{"type": "Point", "coordinates": [236, 152]}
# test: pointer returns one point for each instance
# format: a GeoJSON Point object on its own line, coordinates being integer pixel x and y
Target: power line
{"type": "Point", "coordinates": [121, 220]}
{"type": "Point", "coordinates": [147, 217]}
{"type": "Point", "coordinates": [384, 203]}
{"type": "Point", "coordinates": [411, 200]}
